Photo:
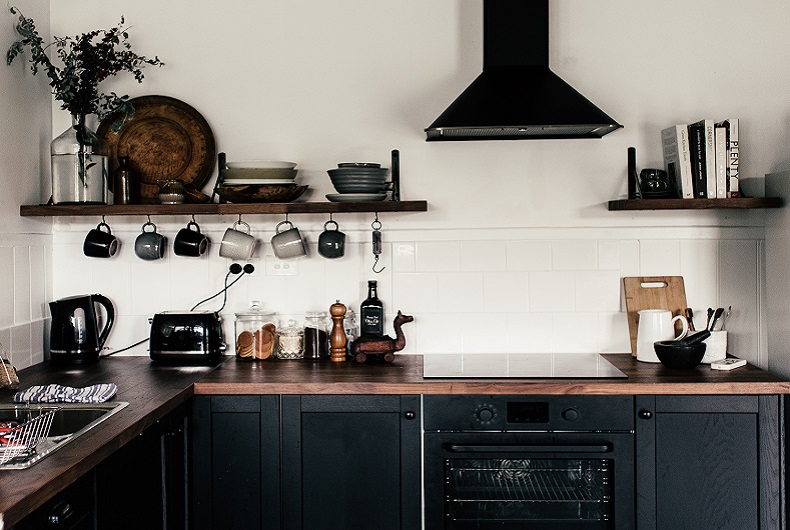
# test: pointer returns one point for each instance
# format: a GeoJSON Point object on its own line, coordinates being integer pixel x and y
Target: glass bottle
{"type": "Point", "coordinates": [371, 313]}
{"type": "Point", "coordinates": [316, 335]}
{"type": "Point", "coordinates": [350, 325]}
{"type": "Point", "coordinates": [79, 165]}
{"type": "Point", "coordinates": [124, 183]}
{"type": "Point", "coordinates": [289, 341]}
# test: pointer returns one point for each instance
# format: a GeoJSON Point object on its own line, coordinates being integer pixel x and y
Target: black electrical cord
{"type": "Point", "coordinates": [235, 268]}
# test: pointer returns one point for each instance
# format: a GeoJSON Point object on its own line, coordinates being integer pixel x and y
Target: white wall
{"type": "Point", "coordinates": [25, 244]}
{"type": "Point", "coordinates": [322, 83]}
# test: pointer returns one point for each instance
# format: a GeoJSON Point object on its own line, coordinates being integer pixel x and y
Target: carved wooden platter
{"type": "Point", "coordinates": [164, 139]}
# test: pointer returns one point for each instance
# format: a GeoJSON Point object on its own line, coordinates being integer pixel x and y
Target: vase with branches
{"type": "Point", "coordinates": [79, 156]}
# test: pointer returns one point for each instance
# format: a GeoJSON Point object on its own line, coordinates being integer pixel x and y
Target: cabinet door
{"type": "Point", "coordinates": [235, 462]}
{"type": "Point", "coordinates": [351, 462]}
{"type": "Point", "coordinates": [705, 462]}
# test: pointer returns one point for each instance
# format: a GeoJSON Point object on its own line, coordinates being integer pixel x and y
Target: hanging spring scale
{"type": "Point", "coordinates": [376, 240]}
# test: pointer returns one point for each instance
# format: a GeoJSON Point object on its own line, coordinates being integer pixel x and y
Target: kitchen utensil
{"type": "Point", "coordinates": [376, 245]}
{"type": "Point", "coordinates": [652, 292]}
{"type": "Point", "coordinates": [717, 323]}
{"type": "Point", "coordinates": [150, 245]}
{"type": "Point", "coordinates": [100, 243]}
{"type": "Point", "coordinates": [710, 318]}
{"type": "Point", "coordinates": [672, 355]}
{"type": "Point", "coordinates": [74, 333]}
{"type": "Point", "coordinates": [237, 243]}
{"type": "Point", "coordinates": [717, 347]}
{"type": "Point", "coordinates": [190, 242]}
{"type": "Point", "coordinates": [690, 317]}
{"type": "Point", "coordinates": [694, 338]}
{"type": "Point", "coordinates": [288, 243]}
{"type": "Point", "coordinates": [188, 337]}
{"type": "Point", "coordinates": [656, 325]}
{"type": "Point", "coordinates": [395, 175]}
{"type": "Point", "coordinates": [332, 242]}
{"type": "Point", "coordinates": [165, 139]}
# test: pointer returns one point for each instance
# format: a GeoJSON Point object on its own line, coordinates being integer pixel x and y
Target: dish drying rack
{"type": "Point", "coordinates": [23, 439]}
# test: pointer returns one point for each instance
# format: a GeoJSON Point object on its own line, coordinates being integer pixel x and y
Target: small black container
{"type": "Point", "coordinates": [673, 354]}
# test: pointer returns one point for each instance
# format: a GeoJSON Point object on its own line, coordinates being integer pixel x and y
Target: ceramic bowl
{"type": "Point", "coordinates": [261, 164]}
{"type": "Point", "coordinates": [261, 193]}
{"type": "Point", "coordinates": [258, 173]}
{"type": "Point", "coordinates": [358, 165]}
{"type": "Point", "coordinates": [674, 355]}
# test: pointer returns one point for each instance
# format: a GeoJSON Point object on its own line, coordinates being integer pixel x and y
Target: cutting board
{"type": "Point", "coordinates": [652, 292]}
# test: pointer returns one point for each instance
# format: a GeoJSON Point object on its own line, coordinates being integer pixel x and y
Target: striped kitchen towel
{"type": "Point", "coordinates": [66, 394]}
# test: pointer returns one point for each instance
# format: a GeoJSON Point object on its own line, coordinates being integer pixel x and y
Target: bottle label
{"type": "Point", "coordinates": [372, 322]}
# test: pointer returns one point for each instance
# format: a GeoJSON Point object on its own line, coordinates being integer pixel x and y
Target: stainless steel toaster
{"type": "Point", "coordinates": [186, 337]}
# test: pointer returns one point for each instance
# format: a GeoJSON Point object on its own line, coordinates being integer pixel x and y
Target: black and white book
{"type": "Point", "coordinates": [733, 156]}
{"type": "Point", "coordinates": [720, 134]}
{"type": "Point", "coordinates": [677, 160]}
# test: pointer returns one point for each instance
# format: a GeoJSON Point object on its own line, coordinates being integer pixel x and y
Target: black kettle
{"type": "Point", "coordinates": [74, 335]}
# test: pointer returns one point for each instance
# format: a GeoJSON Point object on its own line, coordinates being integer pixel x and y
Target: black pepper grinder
{"type": "Point", "coordinates": [125, 181]}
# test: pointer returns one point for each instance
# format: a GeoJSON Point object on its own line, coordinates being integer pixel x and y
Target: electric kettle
{"type": "Point", "coordinates": [74, 335]}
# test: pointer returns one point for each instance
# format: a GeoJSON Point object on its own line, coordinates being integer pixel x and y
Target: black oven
{"type": "Point", "coordinates": [528, 462]}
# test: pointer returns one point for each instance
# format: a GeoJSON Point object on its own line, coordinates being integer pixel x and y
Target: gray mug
{"type": "Point", "coordinates": [150, 245]}
{"type": "Point", "coordinates": [288, 243]}
{"type": "Point", "coordinates": [332, 243]}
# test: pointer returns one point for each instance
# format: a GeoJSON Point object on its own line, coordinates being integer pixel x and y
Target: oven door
{"type": "Point", "coordinates": [529, 481]}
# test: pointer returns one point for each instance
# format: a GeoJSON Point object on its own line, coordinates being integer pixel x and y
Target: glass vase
{"type": "Point", "coordinates": [79, 165]}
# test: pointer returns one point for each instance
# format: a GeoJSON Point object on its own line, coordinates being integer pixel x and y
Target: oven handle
{"type": "Point", "coordinates": [525, 448]}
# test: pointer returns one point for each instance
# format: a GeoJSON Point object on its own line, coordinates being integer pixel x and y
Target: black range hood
{"type": "Point", "coordinates": [517, 97]}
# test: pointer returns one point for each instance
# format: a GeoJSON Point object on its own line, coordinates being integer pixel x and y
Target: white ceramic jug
{"type": "Point", "coordinates": [655, 325]}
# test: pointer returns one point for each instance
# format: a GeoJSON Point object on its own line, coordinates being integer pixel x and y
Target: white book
{"type": "Point", "coordinates": [677, 160]}
{"type": "Point", "coordinates": [722, 164]}
{"type": "Point", "coordinates": [710, 157]}
{"type": "Point", "coordinates": [733, 154]}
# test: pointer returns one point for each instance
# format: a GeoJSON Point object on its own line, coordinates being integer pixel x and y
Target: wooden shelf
{"type": "Point", "coordinates": [77, 210]}
{"type": "Point", "coordinates": [694, 204]}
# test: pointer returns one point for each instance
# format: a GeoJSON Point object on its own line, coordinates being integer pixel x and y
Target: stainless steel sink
{"type": "Point", "coordinates": [69, 421]}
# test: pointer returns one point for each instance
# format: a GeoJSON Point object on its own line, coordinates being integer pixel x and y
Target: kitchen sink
{"type": "Point", "coordinates": [69, 421]}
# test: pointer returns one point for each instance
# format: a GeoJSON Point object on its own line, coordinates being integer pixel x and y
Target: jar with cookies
{"type": "Point", "coordinates": [256, 333]}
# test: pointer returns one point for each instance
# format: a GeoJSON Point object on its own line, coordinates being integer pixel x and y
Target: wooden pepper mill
{"type": "Point", "coordinates": [337, 339]}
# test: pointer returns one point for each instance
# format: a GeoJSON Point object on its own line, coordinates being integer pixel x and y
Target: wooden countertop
{"type": "Point", "coordinates": [153, 391]}
{"type": "Point", "coordinates": [404, 376]}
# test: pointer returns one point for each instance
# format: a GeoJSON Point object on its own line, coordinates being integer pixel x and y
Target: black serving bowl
{"type": "Point", "coordinates": [676, 355]}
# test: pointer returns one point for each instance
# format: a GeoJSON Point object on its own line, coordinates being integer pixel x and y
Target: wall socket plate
{"type": "Point", "coordinates": [280, 267]}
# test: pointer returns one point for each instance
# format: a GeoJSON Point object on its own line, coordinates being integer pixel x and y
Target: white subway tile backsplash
{"type": "Point", "coordinates": [613, 334]}
{"type": "Point", "coordinates": [699, 266]}
{"type": "Point", "coordinates": [529, 256]}
{"type": "Point", "coordinates": [659, 257]}
{"type": "Point", "coordinates": [574, 255]}
{"type": "Point", "coordinates": [506, 292]}
{"type": "Point", "coordinates": [575, 332]}
{"type": "Point", "coordinates": [484, 333]}
{"type": "Point", "coordinates": [435, 333]}
{"type": "Point", "coordinates": [552, 291]}
{"type": "Point", "coordinates": [629, 258]}
{"type": "Point", "coordinates": [403, 257]}
{"type": "Point", "coordinates": [417, 292]}
{"type": "Point", "coordinates": [597, 290]}
{"type": "Point", "coordinates": [529, 332]}
{"type": "Point", "coordinates": [483, 256]}
{"type": "Point", "coordinates": [609, 255]}
{"type": "Point", "coordinates": [460, 292]}
{"type": "Point", "coordinates": [438, 256]}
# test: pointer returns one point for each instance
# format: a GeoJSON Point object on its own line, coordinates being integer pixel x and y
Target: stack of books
{"type": "Point", "coordinates": [701, 159]}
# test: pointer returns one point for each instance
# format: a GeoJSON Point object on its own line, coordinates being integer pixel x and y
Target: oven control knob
{"type": "Point", "coordinates": [570, 414]}
{"type": "Point", "coordinates": [485, 413]}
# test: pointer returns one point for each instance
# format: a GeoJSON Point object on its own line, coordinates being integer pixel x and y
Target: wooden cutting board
{"type": "Point", "coordinates": [652, 292]}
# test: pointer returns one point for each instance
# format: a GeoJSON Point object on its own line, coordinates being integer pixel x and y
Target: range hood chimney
{"type": "Point", "coordinates": [517, 97]}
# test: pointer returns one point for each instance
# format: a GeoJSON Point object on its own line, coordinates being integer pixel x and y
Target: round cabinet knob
{"type": "Point", "coordinates": [410, 415]}
{"type": "Point", "coordinates": [645, 414]}
{"type": "Point", "coordinates": [570, 414]}
{"type": "Point", "coordinates": [485, 414]}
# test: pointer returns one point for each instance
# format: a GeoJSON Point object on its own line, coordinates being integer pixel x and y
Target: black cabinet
{"type": "Point", "coordinates": [708, 462]}
{"type": "Point", "coordinates": [71, 509]}
{"type": "Point", "coordinates": [351, 462]}
{"type": "Point", "coordinates": [309, 462]}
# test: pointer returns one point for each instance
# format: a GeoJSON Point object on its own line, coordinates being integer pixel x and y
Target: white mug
{"type": "Point", "coordinates": [237, 244]}
{"type": "Point", "coordinates": [288, 243]}
{"type": "Point", "coordinates": [655, 325]}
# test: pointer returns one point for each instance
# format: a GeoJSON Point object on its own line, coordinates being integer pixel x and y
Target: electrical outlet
{"type": "Point", "coordinates": [279, 267]}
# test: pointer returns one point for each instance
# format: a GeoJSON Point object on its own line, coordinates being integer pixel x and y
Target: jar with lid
{"type": "Point", "coordinates": [289, 341]}
{"type": "Point", "coordinates": [351, 328]}
{"type": "Point", "coordinates": [256, 332]}
{"type": "Point", "coordinates": [316, 335]}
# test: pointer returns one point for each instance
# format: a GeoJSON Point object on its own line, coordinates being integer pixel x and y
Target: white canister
{"type": "Point", "coordinates": [655, 325]}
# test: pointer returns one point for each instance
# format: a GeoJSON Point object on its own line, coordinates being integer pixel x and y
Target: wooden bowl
{"type": "Point", "coordinates": [261, 193]}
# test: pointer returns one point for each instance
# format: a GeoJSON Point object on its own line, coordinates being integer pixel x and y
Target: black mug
{"type": "Point", "coordinates": [100, 243]}
{"type": "Point", "coordinates": [331, 243]}
{"type": "Point", "coordinates": [190, 242]}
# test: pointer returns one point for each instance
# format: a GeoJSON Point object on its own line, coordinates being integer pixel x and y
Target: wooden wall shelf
{"type": "Point", "coordinates": [694, 204]}
{"type": "Point", "coordinates": [42, 210]}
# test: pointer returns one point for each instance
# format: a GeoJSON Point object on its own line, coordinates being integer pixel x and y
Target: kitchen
{"type": "Point", "coordinates": [517, 251]}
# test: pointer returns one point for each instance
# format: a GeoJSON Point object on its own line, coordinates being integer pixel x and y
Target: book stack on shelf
{"type": "Point", "coordinates": [701, 159]}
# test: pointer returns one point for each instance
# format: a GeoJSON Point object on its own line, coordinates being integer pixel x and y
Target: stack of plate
{"type": "Point", "coordinates": [260, 181]}
{"type": "Point", "coordinates": [358, 181]}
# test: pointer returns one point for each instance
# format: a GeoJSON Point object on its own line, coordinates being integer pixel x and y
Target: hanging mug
{"type": "Point", "coordinates": [288, 243]}
{"type": "Point", "coordinates": [332, 243]}
{"type": "Point", "coordinates": [655, 325]}
{"type": "Point", "coordinates": [237, 244]}
{"type": "Point", "coordinates": [100, 243]}
{"type": "Point", "coordinates": [149, 245]}
{"type": "Point", "coordinates": [190, 242]}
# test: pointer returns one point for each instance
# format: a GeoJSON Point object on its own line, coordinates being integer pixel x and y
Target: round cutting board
{"type": "Point", "coordinates": [164, 139]}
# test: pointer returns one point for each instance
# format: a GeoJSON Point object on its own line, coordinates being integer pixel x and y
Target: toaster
{"type": "Point", "coordinates": [187, 337]}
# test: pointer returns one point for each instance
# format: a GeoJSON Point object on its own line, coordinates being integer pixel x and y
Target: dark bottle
{"type": "Point", "coordinates": [371, 313]}
{"type": "Point", "coordinates": [124, 182]}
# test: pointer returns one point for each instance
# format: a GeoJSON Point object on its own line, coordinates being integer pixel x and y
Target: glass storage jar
{"type": "Point", "coordinates": [316, 335]}
{"type": "Point", "coordinates": [256, 333]}
{"type": "Point", "coordinates": [289, 341]}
